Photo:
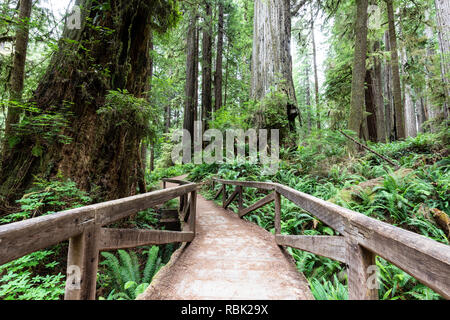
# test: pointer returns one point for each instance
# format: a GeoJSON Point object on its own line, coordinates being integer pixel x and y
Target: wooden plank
{"type": "Point", "coordinates": [325, 246]}
{"type": "Point", "coordinates": [362, 277]}
{"type": "Point", "coordinates": [231, 199]}
{"type": "Point", "coordinates": [329, 213]}
{"type": "Point", "coordinates": [113, 239]}
{"type": "Point", "coordinates": [176, 181]}
{"type": "Point", "coordinates": [193, 212]}
{"type": "Point", "coordinates": [426, 260]}
{"type": "Point", "coordinates": [277, 213]}
{"type": "Point", "coordinates": [82, 265]}
{"type": "Point", "coordinates": [24, 237]}
{"type": "Point", "coordinates": [257, 205]}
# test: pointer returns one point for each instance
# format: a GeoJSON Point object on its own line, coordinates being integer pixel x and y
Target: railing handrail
{"type": "Point", "coordinates": [176, 181]}
{"type": "Point", "coordinates": [425, 259]}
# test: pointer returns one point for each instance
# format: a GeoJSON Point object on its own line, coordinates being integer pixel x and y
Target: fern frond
{"type": "Point", "coordinates": [127, 265]}
{"type": "Point", "coordinates": [135, 265]}
{"type": "Point", "coordinates": [150, 266]}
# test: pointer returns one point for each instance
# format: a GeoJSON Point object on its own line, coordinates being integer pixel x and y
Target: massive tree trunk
{"type": "Point", "coordinates": [410, 110]}
{"type": "Point", "coordinates": [207, 68]}
{"type": "Point", "coordinates": [389, 105]}
{"type": "Point", "coordinates": [191, 76]}
{"type": "Point", "coordinates": [219, 58]}
{"type": "Point", "coordinates": [356, 119]}
{"type": "Point", "coordinates": [18, 68]}
{"type": "Point", "coordinates": [196, 75]}
{"type": "Point", "coordinates": [443, 26]}
{"type": "Point", "coordinates": [431, 110]}
{"type": "Point", "coordinates": [111, 52]}
{"type": "Point", "coordinates": [271, 59]}
{"type": "Point", "coordinates": [397, 92]}
{"type": "Point", "coordinates": [308, 100]}
{"type": "Point", "coordinates": [421, 114]}
{"type": "Point", "coordinates": [227, 72]}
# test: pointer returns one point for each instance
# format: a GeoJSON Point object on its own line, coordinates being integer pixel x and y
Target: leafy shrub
{"type": "Point", "coordinates": [19, 281]}
{"type": "Point", "coordinates": [47, 197]}
{"type": "Point", "coordinates": [124, 276]}
{"type": "Point", "coordinates": [30, 277]}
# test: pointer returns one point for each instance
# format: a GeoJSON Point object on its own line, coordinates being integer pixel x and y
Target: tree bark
{"type": "Point", "coordinates": [152, 158]}
{"type": "Point", "coordinates": [101, 152]}
{"type": "Point", "coordinates": [308, 100]}
{"type": "Point", "coordinates": [196, 70]}
{"type": "Point", "coordinates": [443, 26]}
{"type": "Point", "coordinates": [410, 110]}
{"type": "Point", "coordinates": [371, 108]}
{"type": "Point", "coordinates": [168, 119]}
{"type": "Point", "coordinates": [191, 66]}
{"type": "Point", "coordinates": [316, 75]}
{"type": "Point", "coordinates": [359, 69]}
{"type": "Point", "coordinates": [397, 92]}
{"type": "Point", "coordinates": [219, 58]}
{"type": "Point", "coordinates": [377, 89]}
{"type": "Point", "coordinates": [431, 110]}
{"type": "Point", "coordinates": [389, 105]}
{"type": "Point", "coordinates": [272, 60]}
{"type": "Point", "coordinates": [421, 115]}
{"type": "Point", "coordinates": [207, 68]}
{"type": "Point", "coordinates": [18, 68]}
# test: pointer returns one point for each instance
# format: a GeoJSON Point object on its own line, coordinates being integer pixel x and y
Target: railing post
{"type": "Point", "coordinates": [164, 185]}
{"type": "Point", "coordinates": [362, 275]}
{"type": "Point", "coordinates": [277, 213]}
{"type": "Point", "coordinates": [224, 195]}
{"type": "Point", "coordinates": [82, 265]}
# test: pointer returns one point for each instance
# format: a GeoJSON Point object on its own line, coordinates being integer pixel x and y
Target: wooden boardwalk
{"type": "Point", "coordinates": [229, 259]}
{"type": "Point", "coordinates": [222, 256]}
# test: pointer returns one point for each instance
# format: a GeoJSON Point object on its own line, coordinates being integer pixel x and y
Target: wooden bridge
{"type": "Point", "coordinates": [222, 256]}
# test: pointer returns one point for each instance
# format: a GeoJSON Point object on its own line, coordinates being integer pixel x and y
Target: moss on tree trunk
{"type": "Point", "coordinates": [109, 52]}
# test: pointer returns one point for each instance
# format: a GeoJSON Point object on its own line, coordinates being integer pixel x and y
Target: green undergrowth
{"type": "Point", "coordinates": [324, 169]}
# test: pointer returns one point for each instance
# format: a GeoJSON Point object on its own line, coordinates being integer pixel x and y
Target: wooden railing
{"type": "Point", "coordinates": [360, 240]}
{"type": "Point", "coordinates": [83, 226]}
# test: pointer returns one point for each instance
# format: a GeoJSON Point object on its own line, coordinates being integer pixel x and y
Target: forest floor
{"type": "Point", "coordinates": [229, 259]}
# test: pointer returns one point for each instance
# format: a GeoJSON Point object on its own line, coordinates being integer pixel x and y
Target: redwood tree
{"type": "Point", "coordinates": [271, 59]}
{"type": "Point", "coordinates": [359, 68]}
{"type": "Point", "coordinates": [397, 91]}
{"type": "Point", "coordinates": [219, 58]}
{"type": "Point", "coordinates": [18, 67]}
{"type": "Point", "coordinates": [109, 52]}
